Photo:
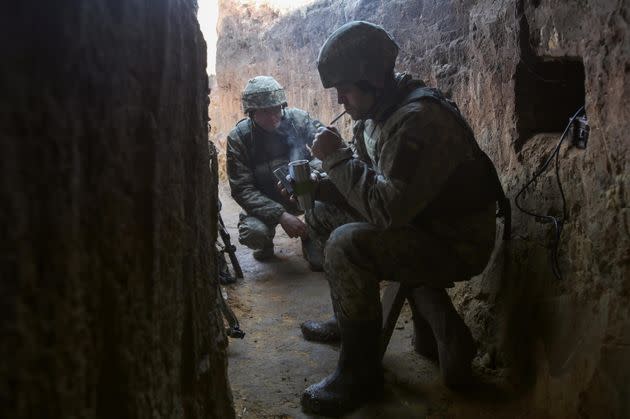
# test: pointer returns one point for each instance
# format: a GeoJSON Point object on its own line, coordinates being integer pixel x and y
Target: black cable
{"type": "Point", "coordinates": [558, 222]}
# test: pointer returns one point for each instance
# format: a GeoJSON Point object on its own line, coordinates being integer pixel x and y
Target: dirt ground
{"type": "Point", "coordinates": [273, 364]}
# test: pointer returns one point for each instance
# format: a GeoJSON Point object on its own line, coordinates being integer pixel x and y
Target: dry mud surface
{"type": "Point", "coordinates": [273, 364]}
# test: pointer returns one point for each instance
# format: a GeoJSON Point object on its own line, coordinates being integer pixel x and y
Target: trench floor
{"type": "Point", "coordinates": [273, 364]}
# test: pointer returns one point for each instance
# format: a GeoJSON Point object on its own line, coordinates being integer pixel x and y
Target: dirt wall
{"type": "Point", "coordinates": [108, 296]}
{"type": "Point", "coordinates": [518, 70]}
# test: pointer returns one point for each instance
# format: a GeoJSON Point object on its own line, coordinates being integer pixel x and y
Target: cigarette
{"type": "Point", "coordinates": [337, 117]}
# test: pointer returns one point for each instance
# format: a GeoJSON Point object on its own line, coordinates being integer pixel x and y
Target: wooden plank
{"type": "Point", "coordinates": [393, 299]}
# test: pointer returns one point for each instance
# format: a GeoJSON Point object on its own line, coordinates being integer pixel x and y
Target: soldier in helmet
{"type": "Point", "coordinates": [425, 195]}
{"type": "Point", "coordinates": [270, 136]}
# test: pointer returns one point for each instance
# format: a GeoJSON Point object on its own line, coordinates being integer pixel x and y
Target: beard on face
{"type": "Point", "coordinates": [353, 112]}
{"type": "Point", "coordinates": [356, 114]}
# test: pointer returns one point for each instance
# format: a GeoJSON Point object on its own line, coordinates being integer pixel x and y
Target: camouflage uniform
{"type": "Point", "coordinates": [425, 196]}
{"type": "Point", "coordinates": [420, 183]}
{"type": "Point", "coordinates": [252, 155]}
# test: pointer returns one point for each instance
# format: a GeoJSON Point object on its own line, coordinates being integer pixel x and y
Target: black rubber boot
{"type": "Point", "coordinates": [325, 332]}
{"type": "Point", "coordinates": [423, 340]}
{"type": "Point", "coordinates": [263, 254]}
{"type": "Point", "coordinates": [313, 254]}
{"type": "Point", "coordinates": [455, 345]}
{"type": "Point", "coordinates": [359, 374]}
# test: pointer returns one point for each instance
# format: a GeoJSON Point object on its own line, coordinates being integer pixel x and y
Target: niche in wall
{"type": "Point", "coordinates": [548, 92]}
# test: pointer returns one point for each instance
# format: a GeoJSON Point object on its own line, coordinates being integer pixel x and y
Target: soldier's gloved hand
{"type": "Point", "coordinates": [327, 141]}
{"type": "Point", "coordinates": [293, 226]}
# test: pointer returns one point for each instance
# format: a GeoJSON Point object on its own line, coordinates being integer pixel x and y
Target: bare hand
{"type": "Point", "coordinates": [293, 226]}
{"type": "Point", "coordinates": [285, 193]}
{"type": "Point", "coordinates": [315, 179]}
{"type": "Point", "coordinates": [327, 141]}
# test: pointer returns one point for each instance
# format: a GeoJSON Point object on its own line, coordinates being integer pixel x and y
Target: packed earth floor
{"type": "Point", "coordinates": [273, 364]}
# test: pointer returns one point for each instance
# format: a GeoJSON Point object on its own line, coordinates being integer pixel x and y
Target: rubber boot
{"type": "Point", "coordinates": [423, 340]}
{"type": "Point", "coordinates": [325, 332]}
{"type": "Point", "coordinates": [455, 345]}
{"type": "Point", "coordinates": [263, 254]}
{"type": "Point", "coordinates": [359, 374]}
{"type": "Point", "coordinates": [313, 254]}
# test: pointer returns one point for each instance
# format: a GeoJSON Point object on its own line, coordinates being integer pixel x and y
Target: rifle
{"type": "Point", "coordinates": [229, 248]}
{"type": "Point", "coordinates": [234, 329]}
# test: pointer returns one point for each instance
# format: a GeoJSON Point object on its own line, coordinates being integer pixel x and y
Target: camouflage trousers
{"type": "Point", "coordinates": [254, 233]}
{"type": "Point", "coordinates": [321, 221]}
{"type": "Point", "coordinates": [359, 255]}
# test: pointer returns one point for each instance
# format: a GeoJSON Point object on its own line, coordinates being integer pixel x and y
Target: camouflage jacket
{"type": "Point", "coordinates": [253, 154]}
{"type": "Point", "coordinates": [424, 170]}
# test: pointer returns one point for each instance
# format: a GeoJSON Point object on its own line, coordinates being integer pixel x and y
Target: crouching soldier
{"type": "Point", "coordinates": [270, 137]}
{"type": "Point", "coordinates": [425, 197]}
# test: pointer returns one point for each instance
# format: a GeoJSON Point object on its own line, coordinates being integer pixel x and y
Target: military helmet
{"type": "Point", "coordinates": [357, 51]}
{"type": "Point", "coordinates": [262, 92]}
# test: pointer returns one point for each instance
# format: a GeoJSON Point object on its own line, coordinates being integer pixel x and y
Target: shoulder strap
{"type": "Point", "coordinates": [239, 128]}
{"type": "Point", "coordinates": [505, 207]}
{"type": "Point", "coordinates": [359, 146]}
{"type": "Point", "coordinates": [248, 140]}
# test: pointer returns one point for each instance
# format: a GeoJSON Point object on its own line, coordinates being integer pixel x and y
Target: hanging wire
{"type": "Point", "coordinates": [558, 222]}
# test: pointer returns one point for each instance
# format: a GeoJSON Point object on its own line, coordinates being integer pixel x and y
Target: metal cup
{"type": "Point", "coordinates": [300, 172]}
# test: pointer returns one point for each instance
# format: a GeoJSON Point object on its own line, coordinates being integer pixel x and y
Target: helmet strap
{"type": "Point", "coordinates": [381, 95]}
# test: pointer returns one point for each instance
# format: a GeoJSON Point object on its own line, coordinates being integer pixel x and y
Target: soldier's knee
{"type": "Point", "coordinates": [254, 235]}
{"type": "Point", "coordinates": [341, 237]}
{"type": "Point", "coordinates": [344, 240]}
{"type": "Point", "coordinates": [253, 239]}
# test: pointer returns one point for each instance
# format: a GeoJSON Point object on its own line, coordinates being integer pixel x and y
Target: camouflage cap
{"type": "Point", "coordinates": [357, 51]}
{"type": "Point", "coordinates": [262, 92]}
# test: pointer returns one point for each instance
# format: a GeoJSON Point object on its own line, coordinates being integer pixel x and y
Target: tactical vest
{"type": "Point", "coordinates": [505, 210]}
{"type": "Point", "coordinates": [485, 175]}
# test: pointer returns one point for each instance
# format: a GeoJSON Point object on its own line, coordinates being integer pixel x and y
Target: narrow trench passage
{"type": "Point", "coordinates": [109, 298]}
{"type": "Point", "coordinates": [273, 364]}
{"type": "Point", "coordinates": [517, 86]}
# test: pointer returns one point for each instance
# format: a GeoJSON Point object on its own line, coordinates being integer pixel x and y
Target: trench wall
{"type": "Point", "coordinates": [108, 214]}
